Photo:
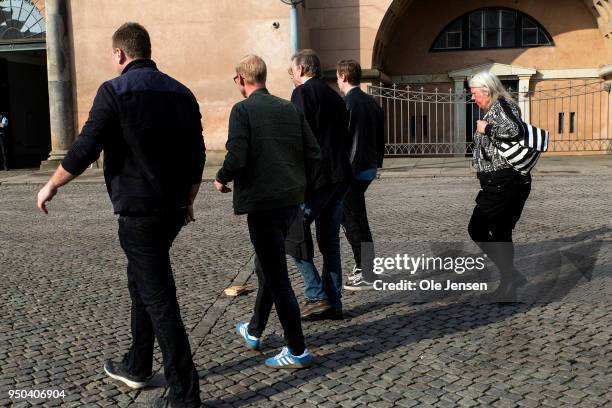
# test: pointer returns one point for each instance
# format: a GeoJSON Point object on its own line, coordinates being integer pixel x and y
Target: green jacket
{"type": "Point", "coordinates": [271, 154]}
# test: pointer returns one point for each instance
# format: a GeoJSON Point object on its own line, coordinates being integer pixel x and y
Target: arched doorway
{"type": "Point", "coordinates": [427, 50]}
{"type": "Point", "coordinates": [24, 94]}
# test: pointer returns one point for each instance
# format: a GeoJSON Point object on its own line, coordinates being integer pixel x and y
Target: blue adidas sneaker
{"type": "Point", "coordinates": [285, 359]}
{"type": "Point", "coordinates": [251, 341]}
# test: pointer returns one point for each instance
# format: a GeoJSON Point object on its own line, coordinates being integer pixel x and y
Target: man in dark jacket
{"type": "Point", "coordinates": [153, 170]}
{"type": "Point", "coordinates": [367, 148]}
{"type": "Point", "coordinates": [3, 139]}
{"type": "Point", "coordinates": [326, 114]}
{"type": "Point", "coordinates": [271, 157]}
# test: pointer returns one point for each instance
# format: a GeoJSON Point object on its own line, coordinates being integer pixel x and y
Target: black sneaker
{"type": "Point", "coordinates": [118, 371]}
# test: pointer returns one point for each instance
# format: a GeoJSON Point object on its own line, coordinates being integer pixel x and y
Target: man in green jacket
{"type": "Point", "coordinates": [271, 157]}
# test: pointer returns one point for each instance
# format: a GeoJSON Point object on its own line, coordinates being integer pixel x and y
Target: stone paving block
{"type": "Point", "coordinates": [386, 353]}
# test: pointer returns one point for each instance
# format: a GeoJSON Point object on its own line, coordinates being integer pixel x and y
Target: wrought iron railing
{"type": "Point", "coordinates": [424, 122]}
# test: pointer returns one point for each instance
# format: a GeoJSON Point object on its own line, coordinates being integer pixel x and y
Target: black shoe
{"type": "Point", "coordinates": [330, 314]}
{"type": "Point", "coordinates": [314, 308]}
{"type": "Point", "coordinates": [118, 371]}
{"type": "Point", "coordinates": [165, 403]}
{"type": "Point", "coordinates": [334, 314]}
{"type": "Point", "coordinates": [506, 292]}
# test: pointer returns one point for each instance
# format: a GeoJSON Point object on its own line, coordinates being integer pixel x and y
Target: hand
{"type": "Point", "coordinates": [222, 187]}
{"type": "Point", "coordinates": [189, 216]}
{"type": "Point", "coordinates": [481, 126]}
{"type": "Point", "coordinates": [45, 195]}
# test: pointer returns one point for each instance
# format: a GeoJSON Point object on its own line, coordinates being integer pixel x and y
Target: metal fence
{"type": "Point", "coordinates": [432, 122]}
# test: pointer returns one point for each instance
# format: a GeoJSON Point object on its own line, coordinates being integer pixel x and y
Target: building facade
{"type": "Point", "coordinates": [556, 54]}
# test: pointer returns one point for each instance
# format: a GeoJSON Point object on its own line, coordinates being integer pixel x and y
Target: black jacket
{"type": "Point", "coordinates": [271, 154]}
{"type": "Point", "coordinates": [327, 116]}
{"type": "Point", "coordinates": [149, 126]}
{"type": "Point", "coordinates": [366, 130]}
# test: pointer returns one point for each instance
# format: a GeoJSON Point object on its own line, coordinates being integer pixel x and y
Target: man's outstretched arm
{"type": "Point", "coordinates": [86, 148]}
{"type": "Point", "coordinates": [59, 178]}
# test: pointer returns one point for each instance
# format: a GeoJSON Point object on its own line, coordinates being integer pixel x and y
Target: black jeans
{"type": "Point", "coordinates": [355, 222]}
{"type": "Point", "coordinates": [499, 206]}
{"type": "Point", "coordinates": [146, 241]}
{"type": "Point", "coordinates": [268, 230]}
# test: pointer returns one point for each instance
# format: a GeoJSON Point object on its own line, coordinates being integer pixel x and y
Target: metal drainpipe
{"type": "Point", "coordinates": [293, 17]}
{"type": "Point", "coordinates": [294, 29]}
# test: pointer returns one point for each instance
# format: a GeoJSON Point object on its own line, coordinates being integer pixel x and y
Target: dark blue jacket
{"type": "Point", "coordinates": [149, 126]}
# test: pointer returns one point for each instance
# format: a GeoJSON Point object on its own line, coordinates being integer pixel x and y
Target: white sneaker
{"type": "Point", "coordinates": [358, 283]}
{"type": "Point", "coordinates": [354, 275]}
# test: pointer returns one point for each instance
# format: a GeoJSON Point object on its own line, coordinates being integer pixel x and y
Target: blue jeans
{"type": "Point", "coordinates": [324, 207]}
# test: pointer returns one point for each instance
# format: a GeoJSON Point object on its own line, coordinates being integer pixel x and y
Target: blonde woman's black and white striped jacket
{"type": "Point", "coordinates": [504, 124]}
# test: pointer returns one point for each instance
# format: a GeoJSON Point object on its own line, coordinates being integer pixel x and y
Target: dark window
{"type": "Point", "coordinates": [561, 121]}
{"type": "Point", "coordinates": [572, 120]}
{"type": "Point", "coordinates": [492, 28]}
{"type": "Point", "coordinates": [451, 37]}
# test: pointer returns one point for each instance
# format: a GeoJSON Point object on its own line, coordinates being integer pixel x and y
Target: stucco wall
{"type": "Point", "coordinates": [198, 43]}
{"type": "Point", "coordinates": [345, 29]}
{"type": "Point", "coordinates": [577, 39]}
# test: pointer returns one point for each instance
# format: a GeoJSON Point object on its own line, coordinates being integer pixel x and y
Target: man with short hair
{"type": "Point", "coordinates": [271, 158]}
{"type": "Point", "coordinates": [366, 132]}
{"type": "Point", "coordinates": [153, 170]}
{"type": "Point", "coordinates": [327, 116]}
{"type": "Point", "coordinates": [3, 139]}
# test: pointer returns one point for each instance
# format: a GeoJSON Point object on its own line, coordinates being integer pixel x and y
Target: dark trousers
{"type": "Point", "coordinates": [146, 241]}
{"type": "Point", "coordinates": [355, 222]}
{"type": "Point", "coordinates": [268, 230]}
{"type": "Point", "coordinates": [3, 151]}
{"type": "Point", "coordinates": [499, 206]}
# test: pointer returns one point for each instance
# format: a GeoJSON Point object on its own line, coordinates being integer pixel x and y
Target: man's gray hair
{"type": "Point", "coordinates": [309, 61]}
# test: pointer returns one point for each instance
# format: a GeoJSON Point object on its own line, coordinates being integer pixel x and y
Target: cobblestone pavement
{"type": "Point", "coordinates": [65, 309]}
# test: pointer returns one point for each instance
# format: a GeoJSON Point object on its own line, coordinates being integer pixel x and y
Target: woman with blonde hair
{"type": "Point", "coordinates": [504, 189]}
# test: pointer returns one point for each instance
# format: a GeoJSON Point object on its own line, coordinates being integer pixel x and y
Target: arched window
{"type": "Point", "coordinates": [492, 28]}
{"type": "Point", "coordinates": [21, 20]}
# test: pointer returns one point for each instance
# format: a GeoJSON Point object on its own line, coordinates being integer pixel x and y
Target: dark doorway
{"type": "Point", "coordinates": [24, 97]}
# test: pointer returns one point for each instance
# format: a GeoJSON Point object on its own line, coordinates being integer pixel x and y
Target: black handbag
{"type": "Point", "coordinates": [298, 242]}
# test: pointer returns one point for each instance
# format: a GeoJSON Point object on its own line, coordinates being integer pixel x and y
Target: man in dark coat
{"type": "Point", "coordinates": [271, 158]}
{"type": "Point", "coordinates": [153, 170]}
{"type": "Point", "coordinates": [326, 114]}
{"type": "Point", "coordinates": [367, 148]}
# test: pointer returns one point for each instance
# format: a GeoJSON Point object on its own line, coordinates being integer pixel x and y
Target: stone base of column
{"type": "Point", "coordinates": [50, 164]}
{"type": "Point", "coordinates": [54, 160]}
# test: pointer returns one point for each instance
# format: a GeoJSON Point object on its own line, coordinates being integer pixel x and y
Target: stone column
{"type": "Point", "coordinates": [459, 112]}
{"type": "Point", "coordinates": [61, 101]}
{"type": "Point", "coordinates": [523, 97]}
